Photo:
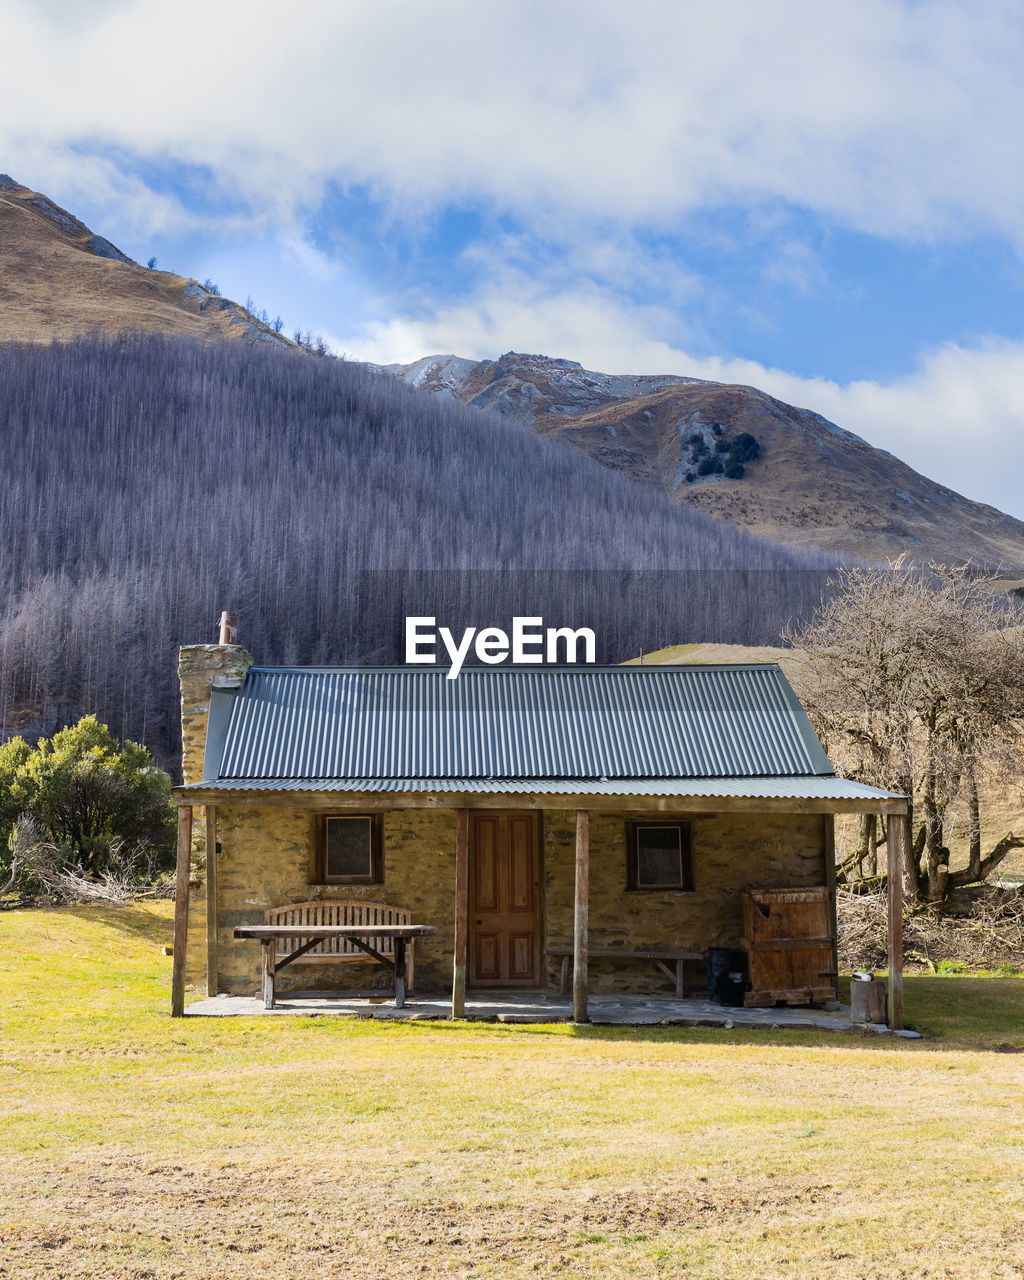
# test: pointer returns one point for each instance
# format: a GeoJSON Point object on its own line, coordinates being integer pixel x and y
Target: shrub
{"type": "Point", "coordinates": [13, 755]}
{"type": "Point", "coordinates": [100, 806]}
{"type": "Point", "coordinates": [744, 448]}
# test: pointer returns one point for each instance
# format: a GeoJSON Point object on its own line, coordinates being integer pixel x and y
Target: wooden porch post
{"type": "Point", "coordinates": [829, 821]}
{"type": "Point", "coordinates": [581, 926]}
{"type": "Point", "coordinates": [212, 983]}
{"type": "Point", "coordinates": [181, 910]}
{"type": "Point", "coordinates": [895, 843]}
{"type": "Point", "coordinates": [461, 913]}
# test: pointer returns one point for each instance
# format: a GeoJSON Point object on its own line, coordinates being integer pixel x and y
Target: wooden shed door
{"type": "Point", "coordinates": [504, 901]}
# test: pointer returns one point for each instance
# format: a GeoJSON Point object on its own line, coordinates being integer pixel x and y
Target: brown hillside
{"type": "Point", "coordinates": [59, 279]}
{"type": "Point", "coordinates": [809, 481]}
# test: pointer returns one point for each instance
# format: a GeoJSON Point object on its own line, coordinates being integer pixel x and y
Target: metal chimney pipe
{"type": "Point", "coordinates": [228, 628]}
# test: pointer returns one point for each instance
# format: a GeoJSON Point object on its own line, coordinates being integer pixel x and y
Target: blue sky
{"type": "Point", "coordinates": [826, 201]}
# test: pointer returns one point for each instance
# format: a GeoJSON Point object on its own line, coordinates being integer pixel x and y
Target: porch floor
{"type": "Point", "coordinates": [538, 1007]}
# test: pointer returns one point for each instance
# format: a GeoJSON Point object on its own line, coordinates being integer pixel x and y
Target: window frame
{"type": "Point", "coordinates": [376, 875]}
{"type": "Point", "coordinates": [685, 829]}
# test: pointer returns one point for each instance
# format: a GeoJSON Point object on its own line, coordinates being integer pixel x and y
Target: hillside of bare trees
{"type": "Point", "coordinates": [150, 482]}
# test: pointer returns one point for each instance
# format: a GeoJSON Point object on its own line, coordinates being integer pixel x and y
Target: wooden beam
{"type": "Point", "coordinates": [375, 801]}
{"type": "Point", "coordinates": [895, 841]}
{"type": "Point", "coordinates": [212, 964]}
{"type": "Point", "coordinates": [181, 911]}
{"type": "Point", "coordinates": [301, 951]}
{"type": "Point", "coordinates": [829, 834]}
{"type": "Point", "coordinates": [461, 913]}
{"type": "Point", "coordinates": [582, 917]}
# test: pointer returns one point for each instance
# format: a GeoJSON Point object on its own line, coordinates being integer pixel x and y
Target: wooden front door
{"type": "Point", "coordinates": [504, 901]}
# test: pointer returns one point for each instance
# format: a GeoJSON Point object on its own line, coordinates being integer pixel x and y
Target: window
{"type": "Point", "coordinates": [350, 850]}
{"type": "Point", "coordinates": [658, 855]}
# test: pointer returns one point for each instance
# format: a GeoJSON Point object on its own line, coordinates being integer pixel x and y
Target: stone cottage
{"type": "Point", "coordinates": [599, 821]}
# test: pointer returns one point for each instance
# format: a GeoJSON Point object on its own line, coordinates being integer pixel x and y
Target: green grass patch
{"type": "Point", "coordinates": [965, 970]}
{"type": "Point", "coordinates": [134, 1145]}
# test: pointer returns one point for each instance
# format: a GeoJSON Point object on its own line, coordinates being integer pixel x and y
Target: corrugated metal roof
{"type": "Point", "coordinates": [815, 788]}
{"type": "Point", "coordinates": [403, 725]}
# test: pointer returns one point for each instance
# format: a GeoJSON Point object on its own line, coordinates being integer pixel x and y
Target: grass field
{"type": "Point", "coordinates": [134, 1146]}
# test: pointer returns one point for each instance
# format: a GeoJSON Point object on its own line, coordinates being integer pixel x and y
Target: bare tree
{"type": "Point", "coordinates": [149, 483]}
{"type": "Point", "coordinates": [915, 680]}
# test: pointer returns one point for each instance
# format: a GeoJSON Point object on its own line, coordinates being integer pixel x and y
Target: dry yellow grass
{"type": "Point", "coordinates": [135, 1146]}
{"type": "Point", "coordinates": [810, 485]}
{"type": "Point", "coordinates": [788, 659]}
{"type": "Point", "coordinates": [54, 287]}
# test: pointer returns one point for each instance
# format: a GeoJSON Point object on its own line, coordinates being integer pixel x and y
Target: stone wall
{"type": "Point", "coordinates": [731, 852]}
{"type": "Point", "coordinates": [267, 853]}
{"type": "Point", "coordinates": [266, 860]}
{"type": "Point", "coordinates": [202, 667]}
{"type": "Point", "coordinates": [195, 949]}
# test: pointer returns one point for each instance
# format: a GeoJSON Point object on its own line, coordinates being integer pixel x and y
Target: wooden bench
{"type": "Point", "coordinates": [337, 950]}
{"type": "Point", "coordinates": [662, 959]}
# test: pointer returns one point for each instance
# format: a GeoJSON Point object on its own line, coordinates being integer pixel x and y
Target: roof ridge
{"type": "Point", "coordinates": [508, 668]}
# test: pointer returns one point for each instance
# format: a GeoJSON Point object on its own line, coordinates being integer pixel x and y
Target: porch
{"type": "Point", "coordinates": [795, 831]}
{"type": "Point", "coordinates": [540, 1007]}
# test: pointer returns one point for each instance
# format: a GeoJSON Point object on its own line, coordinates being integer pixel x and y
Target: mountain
{"type": "Point", "coordinates": [156, 473]}
{"type": "Point", "coordinates": [732, 452]}
{"type": "Point", "coordinates": [735, 453]}
{"type": "Point", "coordinates": [60, 279]}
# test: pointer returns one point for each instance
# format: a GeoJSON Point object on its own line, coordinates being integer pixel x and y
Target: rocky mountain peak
{"type": "Point", "coordinates": [735, 452]}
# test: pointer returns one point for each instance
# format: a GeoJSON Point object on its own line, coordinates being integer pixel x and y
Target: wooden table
{"type": "Point", "coordinates": [360, 936]}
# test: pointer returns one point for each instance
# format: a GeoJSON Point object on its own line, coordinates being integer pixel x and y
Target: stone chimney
{"type": "Point", "coordinates": [202, 668]}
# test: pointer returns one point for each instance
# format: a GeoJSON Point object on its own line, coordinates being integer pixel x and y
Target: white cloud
{"type": "Point", "coordinates": [515, 312]}
{"type": "Point", "coordinates": [590, 121]}
{"type": "Point", "coordinates": [958, 417]}
{"type": "Point", "coordinates": [97, 181]}
{"type": "Point", "coordinates": [882, 116]}
{"type": "Point", "coordinates": [798, 267]}
{"type": "Point", "coordinates": [312, 262]}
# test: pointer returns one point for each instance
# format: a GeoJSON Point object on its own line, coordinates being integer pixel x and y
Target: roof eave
{"type": "Point", "coordinates": [536, 794]}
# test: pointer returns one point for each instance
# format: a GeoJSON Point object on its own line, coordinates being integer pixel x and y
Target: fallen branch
{"type": "Point", "coordinates": [43, 874]}
{"type": "Point", "coordinates": [15, 869]}
{"type": "Point", "coordinates": [989, 933]}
